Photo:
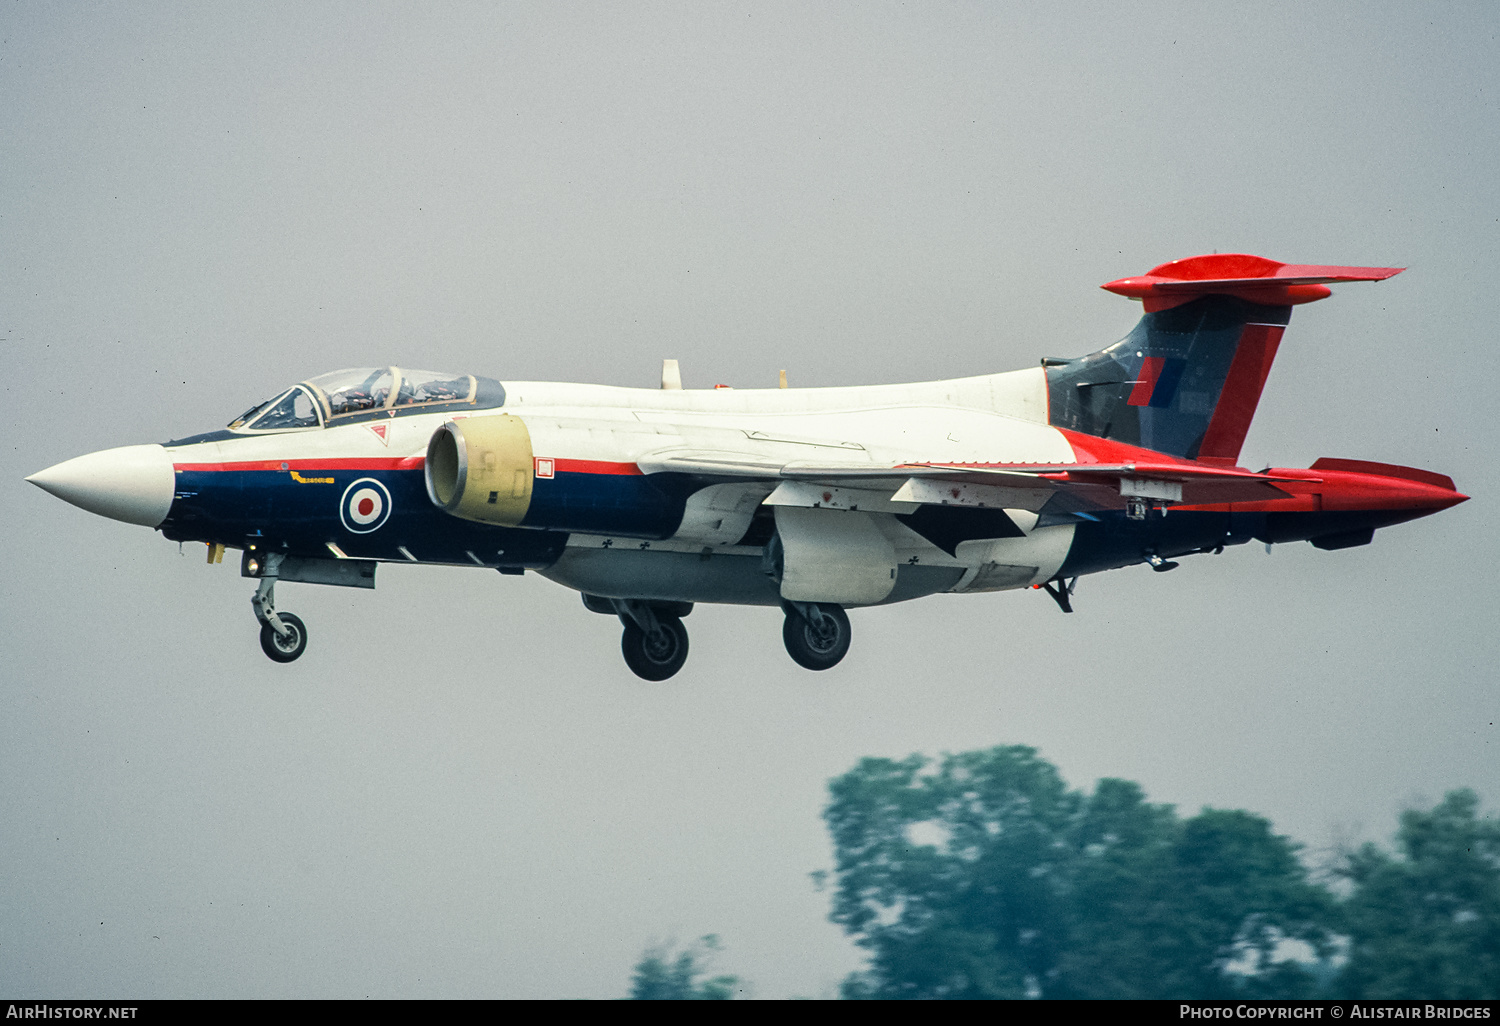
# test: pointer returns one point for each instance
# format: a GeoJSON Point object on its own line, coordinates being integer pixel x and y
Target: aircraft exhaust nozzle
{"type": "Point", "coordinates": [133, 483]}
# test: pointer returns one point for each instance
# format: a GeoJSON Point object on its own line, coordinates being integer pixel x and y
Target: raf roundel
{"type": "Point", "coordinates": [365, 506]}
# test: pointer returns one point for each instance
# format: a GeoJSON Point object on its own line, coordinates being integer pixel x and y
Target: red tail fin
{"type": "Point", "coordinates": [1187, 380]}
{"type": "Point", "coordinates": [1257, 279]}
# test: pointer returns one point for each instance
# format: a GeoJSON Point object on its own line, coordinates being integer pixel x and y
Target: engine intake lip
{"type": "Point", "coordinates": [446, 468]}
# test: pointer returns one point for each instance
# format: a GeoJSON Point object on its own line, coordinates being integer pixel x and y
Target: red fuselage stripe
{"type": "Point", "coordinates": [372, 463]}
{"type": "Point", "coordinates": [563, 466]}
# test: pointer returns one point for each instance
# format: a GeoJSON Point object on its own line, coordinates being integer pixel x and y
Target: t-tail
{"type": "Point", "coordinates": [1187, 380]}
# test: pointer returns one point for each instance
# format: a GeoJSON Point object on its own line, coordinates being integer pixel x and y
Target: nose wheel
{"type": "Point", "coordinates": [283, 636]}
{"type": "Point", "coordinates": [284, 647]}
{"type": "Point", "coordinates": [816, 634]}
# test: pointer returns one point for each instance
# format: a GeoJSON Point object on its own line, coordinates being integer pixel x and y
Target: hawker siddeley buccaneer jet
{"type": "Point", "coordinates": [814, 500]}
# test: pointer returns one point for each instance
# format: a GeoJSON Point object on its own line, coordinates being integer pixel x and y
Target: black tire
{"type": "Point", "coordinates": [655, 658]}
{"type": "Point", "coordinates": [812, 649]}
{"type": "Point", "coordinates": [284, 650]}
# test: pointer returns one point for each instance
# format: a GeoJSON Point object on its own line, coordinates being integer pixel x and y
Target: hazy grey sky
{"type": "Point", "coordinates": [460, 790]}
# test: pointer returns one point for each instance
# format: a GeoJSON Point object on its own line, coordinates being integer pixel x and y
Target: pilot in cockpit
{"type": "Point", "coordinates": [365, 395]}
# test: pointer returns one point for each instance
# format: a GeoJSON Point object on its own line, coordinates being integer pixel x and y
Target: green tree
{"type": "Point", "coordinates": [661, 975]}
{"type": "Point", "coordinates": [984, 876]}
{"type": "Point", "coordinates": [1425, 922]}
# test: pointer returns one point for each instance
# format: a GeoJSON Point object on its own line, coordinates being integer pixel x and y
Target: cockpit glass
{"type": "Point", "coordinates": [419, 386]}
{"type": "Point", "coordinates": [354, 391]}
{"type": "Point", "coordinates": [252, 411]}
{"type": "Point", "coordinates": [363, 392]}
{"type": "Point", "coordinates": [293, 410]}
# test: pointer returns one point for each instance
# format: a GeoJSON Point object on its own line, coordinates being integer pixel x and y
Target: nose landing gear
{"type": "Point", "coordinates": [284, 647]}
{"type": "Point", "coordinates": [283, 636]}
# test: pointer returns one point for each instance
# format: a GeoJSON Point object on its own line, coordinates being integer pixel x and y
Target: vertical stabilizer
{"type": "Point", "coordinates": [1187, 380]}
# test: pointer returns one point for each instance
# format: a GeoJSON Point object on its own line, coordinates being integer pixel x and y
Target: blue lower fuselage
{"type": "Point", "coordinates": [306, 508]}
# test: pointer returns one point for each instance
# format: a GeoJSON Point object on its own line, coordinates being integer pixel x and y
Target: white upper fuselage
{"type": "Point", "coordinates": [990, 418]}
{"type": "Point", "coordinates": [996, 418]}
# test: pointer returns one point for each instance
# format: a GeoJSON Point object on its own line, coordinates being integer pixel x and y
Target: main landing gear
{"type": "Point", "coordinates": [655, 643]}
{"type": "Point", "coordinates": [656, 654]}
{"type": "Point", "coordinates": [283, 636]}
{"type": "Point", "coordinates": [816, 634]}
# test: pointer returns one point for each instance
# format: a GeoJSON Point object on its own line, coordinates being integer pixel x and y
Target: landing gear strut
{"type": "Point", "coordinates": [816, 634]}
{"type": "Point", "coordinates": [283, 636]}
{"type": "Point", "coordinates": [655, 643]}
{"type": "Point", "coordinates": [1062, 593]}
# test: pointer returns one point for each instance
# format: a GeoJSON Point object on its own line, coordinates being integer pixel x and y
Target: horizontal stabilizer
{"type": "Point", "coordinates": [1386, 470]}
{"type": "Point", "coordinates": [1248, 277]}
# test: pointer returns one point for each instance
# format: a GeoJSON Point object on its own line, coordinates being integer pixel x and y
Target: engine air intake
{"type": "Point", "coordinates": [481, 469]}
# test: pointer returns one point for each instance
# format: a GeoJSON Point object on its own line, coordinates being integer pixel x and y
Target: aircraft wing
{"type": "Point", "coordinates": [1074, 487]}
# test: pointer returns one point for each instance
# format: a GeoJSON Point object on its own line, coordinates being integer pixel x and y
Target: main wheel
{"type": "Point", "coordinates": [655, 657]}
{"type": "Point", "coordinates": [284, 649]}
{"type": "Point", "coordinates": [811, 647]}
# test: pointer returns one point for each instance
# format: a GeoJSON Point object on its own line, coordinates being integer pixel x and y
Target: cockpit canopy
{"type": "Point", "coordinates": [365, 393]}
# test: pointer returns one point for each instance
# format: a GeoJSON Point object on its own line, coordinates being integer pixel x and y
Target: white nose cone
{"type": "Point", "coordinates": [133, 483]}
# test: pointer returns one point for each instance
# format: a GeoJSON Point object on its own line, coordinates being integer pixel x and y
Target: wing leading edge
{"type": "Point", "coordinates": [1031, 486]}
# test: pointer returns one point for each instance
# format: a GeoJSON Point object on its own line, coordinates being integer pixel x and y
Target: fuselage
{"type": "Point", "coordinates": [599, 522]}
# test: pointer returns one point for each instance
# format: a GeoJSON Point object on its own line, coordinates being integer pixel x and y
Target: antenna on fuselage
{"type": "Point", "coordinates": [783, 380]}
{"type": "Point", "coordinates": [671, 375]}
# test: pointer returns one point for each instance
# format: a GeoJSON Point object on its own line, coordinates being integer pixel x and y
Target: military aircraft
{"type": "Point", "coordinates": [814, 500]}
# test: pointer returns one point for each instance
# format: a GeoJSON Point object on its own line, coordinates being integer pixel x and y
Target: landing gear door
{"type": "Point", "coordinates": [834, 556]}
